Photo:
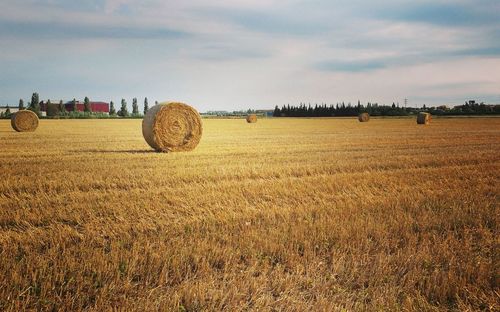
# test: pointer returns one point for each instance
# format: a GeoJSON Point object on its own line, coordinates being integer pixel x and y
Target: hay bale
{"type": "Point", "coordinates": [364, 117]}
{"type": "Point", "coordinates": [251, 118]}
{"type": "Point", "coordinates": [172, 127]}
{"type": "Point", "coordinates": [424, 118]}
{"type": "Point", "coordinates": [24, 121]}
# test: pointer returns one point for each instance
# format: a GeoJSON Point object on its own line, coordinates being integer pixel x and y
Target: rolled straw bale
{"type": "Point", "coordinates": [424, 118]}
{"type": "Point", "coordinates": [24, 121]}
{"type": "Point", "coordinates": [251, 118]}
{"type": "Point", "coordinates": [172, 127]}
{"type": "Point", "coordinates": [364, 117]}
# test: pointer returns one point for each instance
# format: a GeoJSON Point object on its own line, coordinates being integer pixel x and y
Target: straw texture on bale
{"type": "Point", "coordinates": [24, 121]}
{"type": "Point", "coordinates": [172, 127]}
{"type": "Point", "coordinates": [251, 118]}
{"type": "Point", "coordinates": [423, 118]}
{"type": "Point", "coordinates": [364, 117]}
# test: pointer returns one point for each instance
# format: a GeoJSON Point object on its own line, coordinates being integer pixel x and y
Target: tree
{"type": "Point", "coordinates": [62, 109]}
{"type": "Point", "coordinates": [35, 103]}
{"type": "Point", "coordinates": [74, 106]}
{"type": "Point", "coordinates": [21, 104]}
{"type": "Point", "coordinates": [47, 105]}
{"type": "Point", "coordinates": [7, 112]}
{"type": "Point", "coordinates": [112, 110]}
{"type": "Point", "coordinates": [156, 102]}
{"type": "Point", "coordinates": [86, 105]}
{"type": "Point", "coordinates": [123, 110]}
{"type": "Point", "coordinates": [276, 112]}
{"type": "Point", "coordinates": [135, 107]}
{"type": "Point", "coordinates": [146, 105]}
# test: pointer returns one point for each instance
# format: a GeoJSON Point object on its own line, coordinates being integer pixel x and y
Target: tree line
{"type": "Point", "coordinates": [340, 109]}
{"type": "Point", "coordinates": [374, 109]}
{"type": "Point", "coordinates": [60, 109]}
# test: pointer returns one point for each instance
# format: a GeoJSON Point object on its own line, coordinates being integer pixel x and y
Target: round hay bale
{"type": "Point", "coordinates": [24, 121]}
{"type": "Point", "coordinates": [251, 118]}
{"type": "Point", "coordinates": [364, 117]}
{"type": "Point", "coordinates": [172, 127]}
{"type": "Point", "coordinates": [424, 118]}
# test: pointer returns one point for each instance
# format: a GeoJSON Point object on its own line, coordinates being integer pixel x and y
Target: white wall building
{"type": "Point", "coordinates": [13, 109]}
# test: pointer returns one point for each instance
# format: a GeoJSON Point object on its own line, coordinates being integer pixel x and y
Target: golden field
{"type": "Point", "coordinates": [281, 215]}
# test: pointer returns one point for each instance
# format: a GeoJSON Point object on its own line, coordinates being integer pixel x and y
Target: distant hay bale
{"type": "Point", "coordinates": [251, 118]}
{"type": "Point", "coordinates": [424, 118]}
{"type": "Point", "coordinates": [172, 127]}
{"type": "Point", "coordinates": [24, 121]}
{"type": "Point", "coordinates": [364, 117]}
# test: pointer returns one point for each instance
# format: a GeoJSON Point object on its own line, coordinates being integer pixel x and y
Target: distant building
{"type": "Point", "coordinates": [265, 112]}
{"type": "Point", "coordinates": [53, 109]}
{"type": "Point", "coordinates": [3, 109]}
{"type": "Point", "coordinates": [96, 107]}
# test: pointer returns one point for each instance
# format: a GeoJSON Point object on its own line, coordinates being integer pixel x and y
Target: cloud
{"type": "Point", "coordinates": [112, 6]}
{"type": "Point", "coordinates": [228, 52]}
{"type": "Point", "coordinates": [76, 30]}
{"type": "Point", "coordinates": [266, 21]}
{"type": "Point", "coordinates": [407, 59]}
{"type": "Point", "coordinates": [492, 51]}
{"type": "Point", "coordinates": [463, 14]}
{"type": "Point", "coordinates": [352, 66]}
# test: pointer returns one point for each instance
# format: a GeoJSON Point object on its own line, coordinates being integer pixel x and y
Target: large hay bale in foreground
{"type": "Point", "coordinates": [24, 121]}
{"type": "Point", "coordinates": [424, 118]}
{"type": "Point", "coordinates": [172, 127]}
{"type": "Point", "coordinates": [364, 117]}
{"type": "Point", "coordinates": [251, 118]}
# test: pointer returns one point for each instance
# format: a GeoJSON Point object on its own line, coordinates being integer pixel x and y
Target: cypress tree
{"type": "Point", "coordinates": [35, 103]}
{"type": "Point", "coordinates": [112, 110]}
{"type": "Point", "coordinates": [74, 106]}
{"type": "Point", "coordinates": [21, 104]}
{"type": "Point", "coordinates": [146, 105]}
{"type": "Point", "coordinates": [86, 105]}
{"type": "Point", "coordinates": [135, 107]}
{"type": "Point", "coordinates": [123, 110]}
{"type": "Point", "coordinates": [62, 109]}
{"type": "Point", "coordinates": [276, 112]}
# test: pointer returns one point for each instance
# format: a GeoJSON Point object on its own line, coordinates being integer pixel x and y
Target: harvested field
{"type": "Point", "coordinates": [291, 215]}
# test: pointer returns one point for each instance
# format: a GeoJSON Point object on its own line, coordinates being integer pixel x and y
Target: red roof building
{"type": "Point", "coordinates": [96, 107]}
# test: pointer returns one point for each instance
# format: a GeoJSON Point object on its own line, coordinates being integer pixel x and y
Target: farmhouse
{"type": "Point", "coordinates": [96, 107]}
{"type": "Point", "coordinates": [53, 109]}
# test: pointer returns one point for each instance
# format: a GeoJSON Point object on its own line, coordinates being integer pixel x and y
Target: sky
{"type": "Point", "coordinates": [240, 54]}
